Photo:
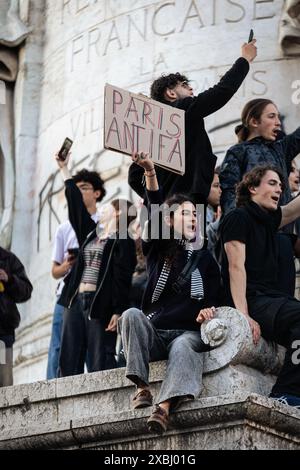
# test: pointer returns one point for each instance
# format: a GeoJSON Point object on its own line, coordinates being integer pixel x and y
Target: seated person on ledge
{"type": "Point", "coordinates": [249, 269]}
{"type": "Point", "coordinates": [168, 327]}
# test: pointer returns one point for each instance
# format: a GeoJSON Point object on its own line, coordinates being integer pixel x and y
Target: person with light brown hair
{"type": "Point", "coordinates": [260, 142]}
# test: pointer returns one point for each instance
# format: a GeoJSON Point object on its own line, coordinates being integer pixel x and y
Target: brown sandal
{"type": "Point", "coordinates": [142, 399]}
{"type": "Point", "coordinates": [158, 421]}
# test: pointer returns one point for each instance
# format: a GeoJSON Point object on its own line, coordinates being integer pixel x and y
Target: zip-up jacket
{"type": "Point", "coordinates": [244, 156]}
{"type": "Point", "coordinates": [116, 269]}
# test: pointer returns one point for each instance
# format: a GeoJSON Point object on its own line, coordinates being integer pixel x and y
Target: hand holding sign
{"type": "Point", "coordinates": [134, 122]}
{"type": "Point", "coordinates": [143, 159]}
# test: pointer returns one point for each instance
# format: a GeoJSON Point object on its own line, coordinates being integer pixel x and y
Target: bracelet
{"type": "Point", "coordinates": [150, 176]}
{"type": "Point", "coordinates": [152, 169]}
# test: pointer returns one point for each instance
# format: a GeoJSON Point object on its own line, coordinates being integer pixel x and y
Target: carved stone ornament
{"type": "Point", "coordinates": [289, 33]}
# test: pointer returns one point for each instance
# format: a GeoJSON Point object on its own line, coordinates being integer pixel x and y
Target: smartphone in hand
{"type": "Point", "coordinates": [73, 252]}
{"type": "Point", "coordinates": [251, 35]}
{"type": "Point", "coordinates": [65, 148]}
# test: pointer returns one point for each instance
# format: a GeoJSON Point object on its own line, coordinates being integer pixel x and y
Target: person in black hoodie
{"type": "Point", "coordinates": [96, 291]}
{"type": "Point", "coordinates": [168, 324]}
{"type": "Point", "coordinates": [174, 90]}
{"type": "Point", "coordinates": [15, 287]}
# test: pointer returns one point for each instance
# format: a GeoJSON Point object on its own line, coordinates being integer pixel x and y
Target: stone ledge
{"type": "Point", "coordinates": [89, 409]}
{"type": "Point", "coordinates": [255, 422]}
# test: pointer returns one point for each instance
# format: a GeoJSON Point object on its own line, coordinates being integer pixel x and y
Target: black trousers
{"type": "Point", "coordinates": [284, 329]}
{"type": "Point", "coordinates": [85, 341]}
{"type": "Point", "coordinates": [286, 265]}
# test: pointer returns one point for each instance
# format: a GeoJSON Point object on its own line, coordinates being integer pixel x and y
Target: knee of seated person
{"type": "Point", "coordinates": [186, 341]}
{"type": "Point", "coordinates": [130, 315]}
{"type": "Point", "coordinates": [182, 341]}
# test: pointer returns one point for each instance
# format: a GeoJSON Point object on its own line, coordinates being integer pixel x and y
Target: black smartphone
{"type": "Point", "coordinates": [73, 252]}
{"type": "Point", "coordinates": [251, 35]}
{"type": "Point", "coordinates": [65, 148]}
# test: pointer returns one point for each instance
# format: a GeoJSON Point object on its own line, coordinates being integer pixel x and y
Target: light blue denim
{"type": "Point", "coordinates": [144, 343]}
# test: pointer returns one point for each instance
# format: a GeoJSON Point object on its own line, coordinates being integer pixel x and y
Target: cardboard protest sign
{"type": "Point", "coordinates": [137, 123]}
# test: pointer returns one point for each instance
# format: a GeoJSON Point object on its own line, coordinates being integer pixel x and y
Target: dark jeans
{"type": "Point", "coordinates": [54, 347]}
{"type": "Point", "coordinates": [286, 265]}
{"type": "Point", "coordinates": [284, 328]}
{"type": "Point", "coordinates": [83, 338]}
{"type": "Point", "coordinates": [6, 360]}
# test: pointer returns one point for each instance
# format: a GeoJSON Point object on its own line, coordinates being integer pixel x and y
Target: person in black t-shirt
{"type": "Point", "coordinates": [249, 269]}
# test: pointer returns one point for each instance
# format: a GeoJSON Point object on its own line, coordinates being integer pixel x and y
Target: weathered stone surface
{"type": "Point", "coordinates": [237, 346]}
{"type": "Point", "coordinates": [50, 408]}
{"type": "Point", "coordinates": [239, 421]}
{"type": "Point", "coordinates": [73, 49]}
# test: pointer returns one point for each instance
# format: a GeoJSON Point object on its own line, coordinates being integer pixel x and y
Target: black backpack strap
{"type": "Point", "coordinates": [186, 273]}
{"type": "Point", "coordinates": [182, 278]}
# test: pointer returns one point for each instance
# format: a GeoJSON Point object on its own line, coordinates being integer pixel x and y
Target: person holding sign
{"type": "Point", "coordinates": [175, 90]}
{"type": "Point", "coordinates": [182, 291]}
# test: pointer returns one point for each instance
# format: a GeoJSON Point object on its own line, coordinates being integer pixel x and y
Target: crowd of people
{"type": "Point", "coordinates": [117, 281]}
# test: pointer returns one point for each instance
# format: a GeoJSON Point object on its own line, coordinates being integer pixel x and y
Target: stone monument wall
{"type": "Point", "coordinates": [73, 49]}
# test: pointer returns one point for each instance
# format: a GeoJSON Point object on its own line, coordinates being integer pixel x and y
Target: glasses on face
{"type": "Point", "coordinates": [85, 187]}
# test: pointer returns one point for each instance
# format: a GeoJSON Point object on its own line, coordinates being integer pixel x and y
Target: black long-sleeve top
{"type": "Point", "coordinates": [200, 160]}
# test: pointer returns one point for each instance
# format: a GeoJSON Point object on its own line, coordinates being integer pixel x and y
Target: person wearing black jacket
{"type": "Point", "coordinates": [172, 307]}
{"type": "Point", "coordinates": [174, 90]}
{"type": "Point", "coordinates": [15, 287]}
{"type": "Point", "coordinates": [96, 291]}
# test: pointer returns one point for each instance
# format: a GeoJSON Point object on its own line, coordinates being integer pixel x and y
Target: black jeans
{"type": "Point", "coordinates": [85, 340]}
{"type": "Point", "coordinates": [285, 330]}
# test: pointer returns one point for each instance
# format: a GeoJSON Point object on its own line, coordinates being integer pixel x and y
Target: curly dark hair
{"type": "Point", "coordinates": [93, 178]}
{"type": "Point", "coordinates": [160, 85]}
{"type": "Point", "coordinates": [253, 179]}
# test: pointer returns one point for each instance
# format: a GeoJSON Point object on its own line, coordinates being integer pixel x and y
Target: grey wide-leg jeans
{"type": "Point", "coordinates": [143, 343]}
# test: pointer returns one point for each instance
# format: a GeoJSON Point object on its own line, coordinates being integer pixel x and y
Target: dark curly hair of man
{"type": "Point", "coordinates": [160, 85]}
{"type": "Point", "coordinates": [93, 178]}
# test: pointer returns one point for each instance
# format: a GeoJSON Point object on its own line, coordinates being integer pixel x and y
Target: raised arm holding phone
{"type": "Point", "coordinates": [175, 90]}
